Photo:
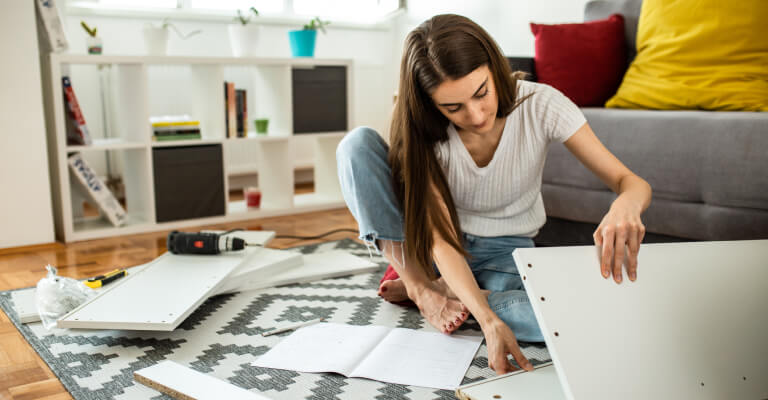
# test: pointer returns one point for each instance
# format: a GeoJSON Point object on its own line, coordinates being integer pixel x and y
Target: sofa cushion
{"type": "Point", "coordinates": [699, 54]}
{"type": "Point", "coordinates": [629, 9]}
{"type": "Point", "coordinates": [584, 61]}
{"type": "Point", "coordinates": [720, 159]}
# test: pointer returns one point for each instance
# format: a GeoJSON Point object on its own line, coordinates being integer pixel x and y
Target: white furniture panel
{"type": "Point", "coordinates": [160, 296]}
{"type": "Point", "coordinates": [185, 383]}
{"type": "Point", "coordinates": [693, 325]}
{"type": "Point", "coordinates": [539, 384]}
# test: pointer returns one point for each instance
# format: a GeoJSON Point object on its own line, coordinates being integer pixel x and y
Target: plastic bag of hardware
{"type": "Point", "coordinates": [57, 295]}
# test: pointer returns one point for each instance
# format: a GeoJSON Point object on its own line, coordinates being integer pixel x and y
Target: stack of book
{"type": "Point", "coordinates": [175, 128]}
{"type": "Point", "coordinates": [235, 111]}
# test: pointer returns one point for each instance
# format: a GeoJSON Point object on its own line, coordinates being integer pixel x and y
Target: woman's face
{"type": "Point", "coordinates": [469, 102]}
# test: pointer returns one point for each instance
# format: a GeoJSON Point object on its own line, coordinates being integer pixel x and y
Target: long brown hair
{"type": "Point", "coordinates": [445, 47]}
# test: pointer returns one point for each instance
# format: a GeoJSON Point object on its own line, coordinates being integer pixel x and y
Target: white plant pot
{"type": "Point", "coordinates": [244, 39]}
{"type": "Point", "coordinates": [156, 40]}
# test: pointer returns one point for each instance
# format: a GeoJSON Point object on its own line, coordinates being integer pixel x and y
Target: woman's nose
{"type": "Point", "coordinates": [476, 115]}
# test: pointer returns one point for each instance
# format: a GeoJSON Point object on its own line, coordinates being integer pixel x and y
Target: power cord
{"type": "Point", "coordinates": [320, 236]}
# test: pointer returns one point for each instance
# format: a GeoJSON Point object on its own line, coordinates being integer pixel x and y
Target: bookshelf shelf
{"type": "Point", "coordinates": [192, 142]}
{"type": "Point", "coordinates": [118, 94]}
{"type": "Point", "coordinates": [107, 144]}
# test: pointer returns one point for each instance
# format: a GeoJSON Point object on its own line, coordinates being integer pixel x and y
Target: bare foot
{"type": "Point", "coordinates": [443, 313]}
{"type": "Point", "coordinates": [394, 291]}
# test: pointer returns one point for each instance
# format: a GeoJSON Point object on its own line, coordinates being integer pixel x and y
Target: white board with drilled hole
{"type": "Point", "coordinates": [693, 326]}
{"type": "Point", "coordinates": [539, 384]}
{"type": "Point", "coordinates": [160, 296]}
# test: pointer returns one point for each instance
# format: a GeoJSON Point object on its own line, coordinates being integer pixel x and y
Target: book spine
{"type": "Point", "coordinates": [96, 190]}
{"type": "Point", "coordinates": [172, 132]}
{"type": "Point", "coordinates": [49, 14]}
{"type": "Point", "coordinates": [184, 136]}
{"type": "Point", "coordinates": [75, 113]}
{"type": "Point", "coordinates": [231, 112]}
{"type": "Point", "coordinates": [239, 111]}
{"type": "Point", "coordinates": [226, 109]}
{"type": "Point", "coordinates": [245, 114]}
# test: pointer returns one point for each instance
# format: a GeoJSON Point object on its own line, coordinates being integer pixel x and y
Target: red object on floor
{"type": "Point", "coordinates": [390, 275]}
{"type": "Point", "coordinates": [584, 61]}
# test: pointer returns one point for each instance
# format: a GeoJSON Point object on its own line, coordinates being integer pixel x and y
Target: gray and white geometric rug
{"type": "Point", "coordinates": [222, 338]}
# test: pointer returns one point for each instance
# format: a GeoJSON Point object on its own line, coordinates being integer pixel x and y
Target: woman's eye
{"type": "Point", "coordinates": [454, 110]}
{"type": "Point", "coordinates": [482, 95]}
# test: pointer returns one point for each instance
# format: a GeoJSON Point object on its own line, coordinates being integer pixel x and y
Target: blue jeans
{"type": "Point", "coordinates": [366, 184]}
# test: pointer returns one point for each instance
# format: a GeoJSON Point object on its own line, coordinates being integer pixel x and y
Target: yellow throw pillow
{"type": "Point", "coordinates": [699, 54]}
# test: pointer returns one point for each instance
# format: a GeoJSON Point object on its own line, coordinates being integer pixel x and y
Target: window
{"type": "Point", "coordinates": [264, 6]}
{"type": "Point", "coordinates": [349, 11]}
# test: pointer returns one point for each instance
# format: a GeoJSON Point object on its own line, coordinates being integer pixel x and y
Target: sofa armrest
{"type": "Point", "coordinates": [525, 64]}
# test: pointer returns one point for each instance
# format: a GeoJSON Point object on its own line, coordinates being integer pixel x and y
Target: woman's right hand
{"type": "Point", "coordinates": [501, 341]}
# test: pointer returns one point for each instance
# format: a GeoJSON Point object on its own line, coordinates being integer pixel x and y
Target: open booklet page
{"type": "Point", "coordinates": [393, 355]}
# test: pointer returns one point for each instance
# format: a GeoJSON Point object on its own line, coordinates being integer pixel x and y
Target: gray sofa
{"type": "Point", "coordinates": [708, 170]}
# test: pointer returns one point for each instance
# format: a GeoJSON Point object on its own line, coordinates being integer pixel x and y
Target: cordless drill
{"type": "Point", "coordinates": [203, 243]}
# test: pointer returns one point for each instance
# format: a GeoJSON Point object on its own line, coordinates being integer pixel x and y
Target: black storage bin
{"type": "Point", "coordinates": [189, 182]}
{"type": "Point", "coordinates": [320, 99]}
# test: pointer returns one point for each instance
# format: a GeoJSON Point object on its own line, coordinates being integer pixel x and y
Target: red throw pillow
{"type": "Point", "coordinates": [584, 61]}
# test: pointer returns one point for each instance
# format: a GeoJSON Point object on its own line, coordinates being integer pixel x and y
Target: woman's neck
{"type": "Point", "coordinates": [493, 135]}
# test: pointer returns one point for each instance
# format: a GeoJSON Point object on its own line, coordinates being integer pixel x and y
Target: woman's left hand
{"type": "Point", "coordinates": [618, 237]}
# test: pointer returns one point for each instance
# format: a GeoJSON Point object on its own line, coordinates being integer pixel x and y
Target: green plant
{"type": "Point", "coordinates": [167, 24]}
{"type": "Point", "coordinates": [315, 24]}
{"type": "Point", "coordinates": [246, 19]}
{"type": "Point", "coordinates": [91, 31]}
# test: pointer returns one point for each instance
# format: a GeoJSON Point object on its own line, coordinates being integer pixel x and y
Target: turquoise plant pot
{"type": "Point", "coordinates": [303, 43]}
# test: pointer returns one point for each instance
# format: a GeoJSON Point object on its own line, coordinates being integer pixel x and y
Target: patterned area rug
{"type": "Point", "coordinates": [223, 337]}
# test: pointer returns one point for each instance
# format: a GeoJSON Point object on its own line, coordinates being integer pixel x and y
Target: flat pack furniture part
{"type": "Point", "coordinates": [326, 265]}
{"type": "Point", "coordinates": [160, 296]}
{"type": "Point", "coordinates": [693, 325]}
{"type": "Point", "coordinates": [262, 265]}
{"type": "Point", "coordinates": [184, 383]}
{"type": "Point", "coordinates": [25, 304]}
{"type": "Point", "coordinates": [25, 300]}
{"type": "Point", "coordinates": [539, 384]}
{"type": "Point", "coordinates": [261, 238]}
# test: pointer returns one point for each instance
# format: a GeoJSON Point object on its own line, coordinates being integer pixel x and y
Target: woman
{"type": "Point", "coordinates": [459, 187]}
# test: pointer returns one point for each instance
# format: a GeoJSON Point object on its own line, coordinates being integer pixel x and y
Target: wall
{"type": "Point", "coordinates": [507, 21]}
{"type": "Point", "coordinates": [25, 198]}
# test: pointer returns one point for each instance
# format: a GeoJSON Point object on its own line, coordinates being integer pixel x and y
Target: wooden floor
{"type": "Point", "coordinates": [23, 375]}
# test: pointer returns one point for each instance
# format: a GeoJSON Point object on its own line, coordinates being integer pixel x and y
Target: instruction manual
{"type": "Point", "coordinates": [393, 355]}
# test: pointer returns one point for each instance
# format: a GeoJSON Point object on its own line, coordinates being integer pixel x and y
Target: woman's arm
{"type": "Point", "coordinates": [621, 227]}
{"type": "Point", "coordinates": [455, 271]}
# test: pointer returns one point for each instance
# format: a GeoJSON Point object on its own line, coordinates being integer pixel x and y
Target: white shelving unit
{"type": "Point", "coordinates": [144, 86]}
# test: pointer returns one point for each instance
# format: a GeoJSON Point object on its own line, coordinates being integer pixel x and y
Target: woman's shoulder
{"type": "Point", "coordinates": [535, 89]}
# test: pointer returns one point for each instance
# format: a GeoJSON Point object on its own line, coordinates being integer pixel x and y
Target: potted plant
{"type": "Point", "coordinates": [243, 36]}
{"type": "Point", "coordinates": [92, 42]}
{"type": "Point", "coordinates": [156, 37]}
{"type": "Point", "coordinates": [303, 41]}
